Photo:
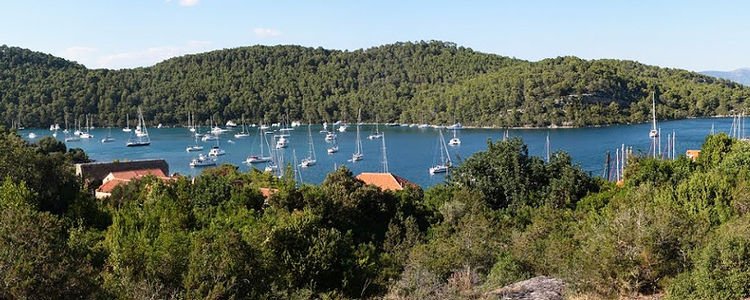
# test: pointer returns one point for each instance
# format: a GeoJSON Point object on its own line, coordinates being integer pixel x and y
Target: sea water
{"type": "Point", "coordinates": [410, 150]}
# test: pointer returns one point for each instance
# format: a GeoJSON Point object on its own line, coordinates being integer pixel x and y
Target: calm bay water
{"type": "Point", "coordinates": [410, 150]}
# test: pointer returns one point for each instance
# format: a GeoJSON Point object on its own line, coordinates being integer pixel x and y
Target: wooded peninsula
{"type": "Point", "coordinates": [416, 82]}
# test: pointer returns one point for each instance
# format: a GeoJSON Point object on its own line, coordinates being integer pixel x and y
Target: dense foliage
{"type": "Point", "coordinates": [424, 82]}
{"type": "Point", "coordinates": [675, 227]}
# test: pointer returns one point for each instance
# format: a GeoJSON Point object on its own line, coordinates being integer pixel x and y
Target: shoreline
{"type": "Point", "coordinates": [526, 127]}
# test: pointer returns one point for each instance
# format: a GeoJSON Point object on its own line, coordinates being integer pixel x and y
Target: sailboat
{"type": "Point", "coordinates": [244, 132]}
{"type": "Point", "coordinates": [109, 137]}
{"type": "Point", "coordinates": [77, 128]}
{"type": "Point", "coordinates": [86, 135]}
{"type": "Point", "coordinates": [66, 124]}
{"type": "Point", "coordinates": [211, 135]}
{"type": "Point", "coordinates": [127, 124]}
{"type": "Point", "coordinates": [334, 148]}
{"type": "Point", "coordinates": [202, 161]}
{"type": "Point", "coordinates": [653, 134]}
{"type": "Point", "coordinates": [68, 137]}
{"type": "Point", "coordinates": [445, 159]}
{"type": "Point", "coordinates": [286, 127]}
{"type": "Point", "coordinates": [140, 128]}
{"type": "Point", "coordinates": [455, 141]}
{"type": "Point", "coordinates": [191, 122]}
{"type": "Point", "coordinates": [385, 157]}
{"type": "Point", "coordinates": [325, 127]}
{"type": "Point", "coordinates": [456, 126]}
{"type": "Point", "coordinates": [273, 164]}
{"type": "Point", "coordinates": [377, 134]}
{"type": "Point", "coordinates": [216, 129]}
{"type": "Point", "coordinates": [342, 124]}
{"type": "Point", "coordinates": [310, 160]}
{"type": "Point", "coordinates": [216, 151]}
{"type": "Point", "coordinates": [19, 126]}
{"type": "Point", "coordinates": [194, 147]}
{"type": "Point", "coordinates": [282, 142]}
{"type": "Point", "coordinates": [260, 158]}
{"type": "Point", "coordinates": [357, 155]}
{"type": "Point", "coordinates": [142, 139]}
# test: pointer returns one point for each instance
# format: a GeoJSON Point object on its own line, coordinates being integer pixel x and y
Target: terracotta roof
{"type": "Point", "coordinates": [110, 185]}
{"type": "Point", "coordinates": [127, 175]}
{"type": "Point", "coordinates": [98, 170]}
{"type": "Point", "coordinates": [267, 192]}
{"type": "Point", "coordinates": [692, 154]}
{"type": "Point", "coordinates": [116, 178]}
{"type": "Point", "coordinates": [385, 181]}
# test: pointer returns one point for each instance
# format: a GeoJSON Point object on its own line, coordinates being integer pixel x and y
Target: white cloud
{"type": "Point", "coordinates": [187, 2]}
{"type": "Point", "coordinates": [266, 32]}
{"type": "Point", "coordinates": [149, 56]}
{"type": "Point", "coordinates": [80, 54]}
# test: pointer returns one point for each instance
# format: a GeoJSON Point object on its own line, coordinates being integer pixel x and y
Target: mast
{"type": "Point", "coordinates": [297, 172]}
{"type": "Point", "coordinates": [445, 147]}
{"type": "Point", "coordinates": [606, 165]}
{"type": "Point", "coordinates": [385, 157]}
{"type": "Point", "coordinates": [260, 139]}
{"type": "Point", "coordinates": [548, 147]}
{"type": "Point", "coordinates": [358, 144]}
{"type": "Point", "coordinates": [655, 133]}
{"type": "Point", "coordinates": [311, 153]}
{"type": "Point", "coordinates": [653, 110]}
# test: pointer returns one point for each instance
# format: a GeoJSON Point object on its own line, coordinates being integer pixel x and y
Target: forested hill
{"type": "Point", "coordinates": [430, 82]}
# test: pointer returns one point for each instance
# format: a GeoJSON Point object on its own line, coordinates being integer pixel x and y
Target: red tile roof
{"type": "Point", "coordinates": [114, 179]}
{"type": "Point", "coordinates": [128, 175]}
{"type": "Point", "coordinates": [267, 192]}
{"type": "Point", "coordinates": [110, 185]}
{"type": "Point", "coordinates": [385, 181]}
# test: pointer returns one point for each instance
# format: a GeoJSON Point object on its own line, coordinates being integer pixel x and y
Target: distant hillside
{"type": "Point", "coordinates": [740, 75]}
{"type": "Point", "coordinates": [432, 82]}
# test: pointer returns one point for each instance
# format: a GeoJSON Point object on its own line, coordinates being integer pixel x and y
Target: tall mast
{"type": "Point", "coordinates": [385, 157]}
{"type": "Point", "coordinates": [310, 141]}
{"type": "Point", "coordinates": [359, 142]}
{"type": "Point", "coordinates": [548, 147]}
{"type": "Point", "coordinates": [653, 110]}
{"type": "Point", "coordinates": [261, 138]}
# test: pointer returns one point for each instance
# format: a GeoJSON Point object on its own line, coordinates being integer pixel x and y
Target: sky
{"type": "Point", "coordinates": [693, 35]}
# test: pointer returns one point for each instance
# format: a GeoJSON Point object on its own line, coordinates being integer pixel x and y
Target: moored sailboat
{"type": "Point", "coordinates": [244, 132]}
{"type": "Point", "coordinates": [377, 134]}
{"type": "Point", "coordinates": [358, 155]}
{"type": "Point", "coordinates": [444, 163]}
{"type": "Point", "coordinates": [127, 124]}
{"type": "Point", "coordinates": [261, 157]}
{"type": "Point", "coordinates": [310, 160]}
{"type": "Point", "coordinates": [140, 138]}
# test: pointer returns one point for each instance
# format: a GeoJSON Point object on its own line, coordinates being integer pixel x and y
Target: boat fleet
{"type": "Point", "coordinates": [270, 142]}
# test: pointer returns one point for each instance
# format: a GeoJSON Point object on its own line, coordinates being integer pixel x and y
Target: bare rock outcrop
{"type": "Point", "coordinates": [537, 288]}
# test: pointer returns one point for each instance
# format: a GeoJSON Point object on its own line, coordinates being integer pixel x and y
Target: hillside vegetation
{"type": "Point", "coordinates": [676, 228]}
{"type": "Point", "coordinates": [430, 82]}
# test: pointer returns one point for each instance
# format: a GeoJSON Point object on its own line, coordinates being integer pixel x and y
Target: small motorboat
{"type": "Point", "coordinates": [216, 151]}
{"type": "Point", "coordinates": [202, 161]}
{"type": "Point", "coordinates": [255, 159]}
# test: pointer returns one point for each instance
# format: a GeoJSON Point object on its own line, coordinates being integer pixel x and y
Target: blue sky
{"type": "Point", "coordinates": [695, 35]}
